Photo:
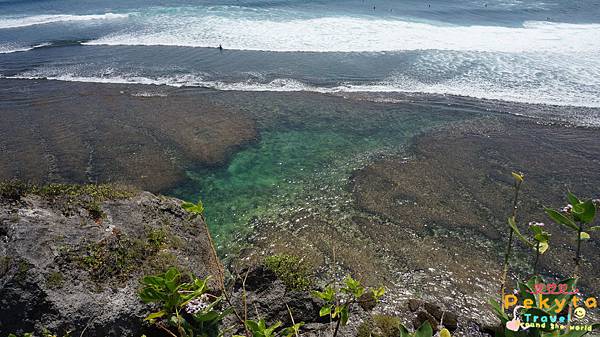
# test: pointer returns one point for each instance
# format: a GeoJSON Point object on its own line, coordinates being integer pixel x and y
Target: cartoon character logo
{"type": "Point", "coordinates": [515, 323]}
{"type": "Point", "coordinates": [579, 312]}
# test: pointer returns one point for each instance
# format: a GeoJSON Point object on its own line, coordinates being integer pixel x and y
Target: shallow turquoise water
{"type": "Point", "coordinates": [305, 152]}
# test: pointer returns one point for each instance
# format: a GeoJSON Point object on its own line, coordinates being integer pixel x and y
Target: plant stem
{"type": "Point", "coordinates": [537, 257]}
{"type": "Point", "coordinates": [578, 252]}
{"type": "Point", "coordinates": [576, 269]}
{"type": "Point", "coordinates": [337, 326]}
{"type": "Point", "coordinates": [509, 246]}
{"type": "Point", "coordinates": [220, 267]}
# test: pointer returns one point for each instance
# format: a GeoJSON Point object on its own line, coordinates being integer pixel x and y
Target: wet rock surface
{"type": "Point", "coordinates": [65, 269]}
{"type": "Point", "coordinates": [431, 225]}
{"type": "Point", "coordinates": [88, 133]}
{"type": "Point", "coordinates": [458, 188]}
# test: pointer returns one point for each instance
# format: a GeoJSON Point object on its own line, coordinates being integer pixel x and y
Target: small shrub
{"type": "Point", "coordinates": [14, 189]}
{"type": "Point", "coordinates": [291, 270]}
{"type": "Point", "coordinates": [55, 280]}
{"type": "Point", "coordinates": [157, 237]}
{"type": "Point", "coordinates": [339, 302]}
{"type": "Point", "coordinates": [186, 309]}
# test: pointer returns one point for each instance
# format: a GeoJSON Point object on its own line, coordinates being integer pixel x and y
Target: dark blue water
{"type": "Point", "coordinates": [525, 51]}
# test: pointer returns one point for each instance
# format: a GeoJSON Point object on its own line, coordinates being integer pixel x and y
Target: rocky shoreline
{"type": "Point", "coordinates": [72, 256]}
{"type": "Point", "coordinates": [426, 221]}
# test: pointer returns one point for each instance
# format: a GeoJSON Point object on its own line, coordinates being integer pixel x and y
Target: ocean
{"type": "Point", "coordinates": [528, 51]}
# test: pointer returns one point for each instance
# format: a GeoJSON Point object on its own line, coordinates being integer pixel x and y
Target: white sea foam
{"type": "Point", "coordinates": [353, 34]}
{"type": "Point", "coordinates": [11, 48]}
{"type": "Point", "coordinates": [396, 83]}
{"type": "Point", "coordinates": [17, 22]}
{"type": "Point", "coordinates": [476, 90]}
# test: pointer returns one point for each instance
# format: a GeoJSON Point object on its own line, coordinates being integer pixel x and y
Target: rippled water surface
{"type": "Point", "coordinates": [523, 51]}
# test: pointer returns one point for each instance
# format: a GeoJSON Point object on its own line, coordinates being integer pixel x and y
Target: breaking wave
{"type": "Point", "coordinates": [18, 22]}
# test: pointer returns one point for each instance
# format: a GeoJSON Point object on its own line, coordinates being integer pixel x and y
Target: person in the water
{"type": "Point", "coordinates": [220, 47]}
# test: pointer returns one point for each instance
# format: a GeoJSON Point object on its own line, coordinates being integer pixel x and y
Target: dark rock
{"type": "Point", "coordinates": [64, 270]}
{"type": "Point", "coordinates": [422, 317]}
{"type": "Point", "coordinates": [450, 319]}
{"type": "Point", "coordinates": [433, 313]}
{"type": "Point", "coordinates": [367, 301]}
{"type": "Point", "coordinates": [269, 299]}
{"type": "Point", "coordinates": [414, 304]}
{"type": "Point", "coordinates": [256, 279]}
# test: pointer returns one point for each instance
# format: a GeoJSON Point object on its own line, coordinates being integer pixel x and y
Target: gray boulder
{"type": "Point", "coordinates": [72, 256]}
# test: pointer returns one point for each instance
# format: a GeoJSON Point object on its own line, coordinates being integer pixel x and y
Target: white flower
{"type": "Point", "coordinates": [198, 304]}
{"type": "Point", "coordinates": [567, 209]}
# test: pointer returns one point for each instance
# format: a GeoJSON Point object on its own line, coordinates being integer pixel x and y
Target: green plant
{"type": "Point", "coordinates": [424, 330]}
{"type": "Point", "coordinates": [540, 241]}
{"type": "Point", "coordinates": [186, 309]}
{"type": "Point", "coordinates": [291, 270]}
{"type": "Point", "coordinates": [575, 216]}
{"type": "Point", "coordinates": [260, 329]}
{"type": "Point", "coordinates": [518, 180]}
{"type": "Point", "coordinates": [338, 303]}
{"type": "Point", "coordinates": [54, 280]}
{"type": "Point", "coordinates": [48, 333]}
{"type": "Point", "coordinates": [196, 209]}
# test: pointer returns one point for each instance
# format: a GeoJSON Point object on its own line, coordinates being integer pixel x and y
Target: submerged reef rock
{"type": "Point", "coordinates": [101, 134]}
{"type": "Point", "coordinates": [72, 256]}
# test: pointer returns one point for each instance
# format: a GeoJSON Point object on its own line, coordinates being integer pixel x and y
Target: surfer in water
{"type": "Point", "coordinates": [220, 47]}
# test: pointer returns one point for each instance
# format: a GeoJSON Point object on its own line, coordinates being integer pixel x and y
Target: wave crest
{"type": "Point", "coordinates": [27, 21]}
{"type": "Point", "coordinates": [353, 34]}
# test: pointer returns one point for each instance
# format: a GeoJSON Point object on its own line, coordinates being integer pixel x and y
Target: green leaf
{"type": "Point", "coordinates": [155, 315]}
{"type": "Point", "coordinates": [445, 333]}
{"type": "Point", "coordinates": [327, 295]}
{"type": "Point", "coordinates": [584, 236]}
{"type": "Point", "coordinates": [589, 212]}
{"type": "Point", "coordinates": [344, 315]}
{"type": "Point", "coordinates": [336, 311]}
{"type": "Point", "coordinates": [378, 292]}
{"type": "Point", "coordinates": [594, 228]}
{"type": "Point", "coordinates": [171, 274]}
{"type": "Point", "coordinates": [513, 225]}
{"type": "Point", "coordinates": [424, 330]}
{"type": "Point", "coordinates": [253, 326]}
{"type": "Point", "coordinates": [151, 295]}
{"type": "Point", "coordinates": [353, 287]}
{"type": "Point", "coordinates": [542, 237]}
{"type": "Point", "coordinates": [499, 312]}
{"type": "Point", "coordinates": [518, 177]}
{"type": "Point", "coordinates": [269, 331]}
{"type": "Point", "coordinates": [561, 219]}
{"type": "Point", "coordinates": [156, 281]}
{"type": "Point", "coordinates": [536, 229]}
{"type": "Point", "coordinates": [573, 200]}
{"type": "Point", "coordinates": [292, 330]}
{"type": "Point", "coordinates": [403, 331]}
{"type": "Point", "coordinates": [525, 291]}
{"type": "Point", "coordinates": [326, 310]}
{"type": "Point", "coordinates": [543, 247]}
